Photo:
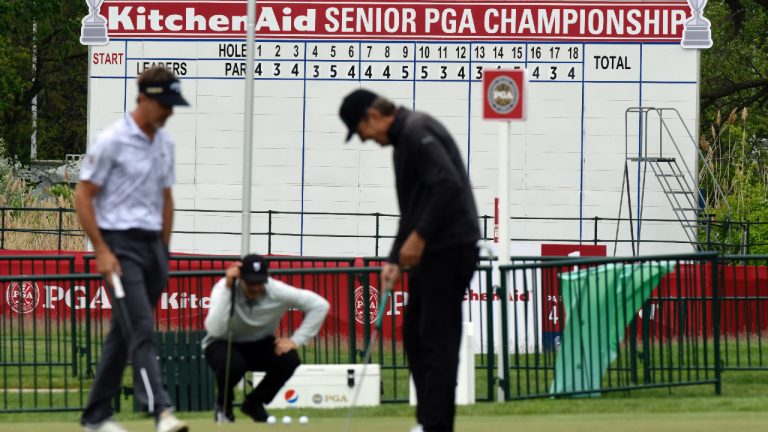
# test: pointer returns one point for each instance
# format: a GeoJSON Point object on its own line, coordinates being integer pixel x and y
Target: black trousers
{"type": "Point", "coordinates": [251, 356]}
{"type": "Point", "coordinates": [432, 331]}
{"type": "Point", "coordinates": [144, 262]}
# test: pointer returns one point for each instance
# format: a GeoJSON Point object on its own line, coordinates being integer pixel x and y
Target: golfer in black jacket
{"type": "Point", "coordinates": [437, 239]}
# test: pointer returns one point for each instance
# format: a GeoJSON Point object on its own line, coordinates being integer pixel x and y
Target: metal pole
{"type": "Point", "coordinates": [594, 241]}
{"type": "Point", "coordinates": [248, 129]}
{"type": "Point", "coordinates": [505, 133]}
{"type": "Point", "coordinates": [61, 223]}
{"type": "Point", "coordinates": [377, 232]}
{"type": "Point", "coordinates": [269, 232]}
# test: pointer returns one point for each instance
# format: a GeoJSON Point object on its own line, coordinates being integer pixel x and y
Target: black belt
{"type": "Point", "coordinates": [136, 233]}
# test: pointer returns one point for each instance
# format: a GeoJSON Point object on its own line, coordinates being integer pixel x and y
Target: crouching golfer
{"type": "Point", "coordinates": [259, 304]}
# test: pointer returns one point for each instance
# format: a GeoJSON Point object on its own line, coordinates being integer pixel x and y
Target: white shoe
{"type": "Point", "coordinates": [417, 428]}
{"type": "Point", "coordinates": [169, 423]}
{"type": "Point", "coordinates": [108, 425]}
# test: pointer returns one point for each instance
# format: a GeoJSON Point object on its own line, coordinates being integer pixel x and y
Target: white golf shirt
{"type": "Point", "coordinates": [255, 320]}
{"type": "Point", "coordinates": [132, 173]}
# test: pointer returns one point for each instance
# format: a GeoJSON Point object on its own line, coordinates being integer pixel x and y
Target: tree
{"type": "Point", "coordinates": [51, 29]}
{"type": "Point", "coordinates": [734, 72]}
{"type": "Point", "coordinates": [734, 125]}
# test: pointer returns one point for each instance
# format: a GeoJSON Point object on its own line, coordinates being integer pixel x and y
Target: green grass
{"type": "Point", "coordinates": [41, 352]}
{"type": "Point", "coordinates": [628, 415]}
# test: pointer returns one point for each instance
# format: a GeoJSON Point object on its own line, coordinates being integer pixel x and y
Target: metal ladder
{"type": "Point", "coordinates": [678, 183]}
{"type": "Point", "coordinates": [686, 201]}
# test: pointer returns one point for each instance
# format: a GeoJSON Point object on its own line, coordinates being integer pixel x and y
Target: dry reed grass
{"type": "Point", "coordinates": [30, 222]}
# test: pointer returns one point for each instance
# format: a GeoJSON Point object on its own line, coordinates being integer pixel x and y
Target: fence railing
{"type": "Point", "coordinates": [580, 326]}
{"type": "Point", "coordinates": [590, 326]}
{"type": "Point", "coordinates": [744, 312]}
{"type": "Point", "coordinates": [724, 236]}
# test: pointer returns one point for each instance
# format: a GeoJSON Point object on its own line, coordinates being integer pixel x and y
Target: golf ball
{"type": "Point", "coordinates": [303, 420]}
{"type": "Point", "coordinates": [271, 420]}
{"type": "Point", "coordinates": [287, 420]}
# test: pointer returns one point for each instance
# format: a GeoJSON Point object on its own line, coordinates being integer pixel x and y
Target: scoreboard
{"type": "Point", "coordinates": [585, 62]}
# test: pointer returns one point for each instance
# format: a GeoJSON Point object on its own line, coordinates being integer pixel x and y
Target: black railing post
{"type": "Point", "coordinates": [490, 363]}
{"type": "Point", "coordinates": [61, 226]}
{"type": "Point", "coordinates": [716, 321]}
{"type": "Point", "coordinates": [351, 319]}
{"type": "Point", "coordinates": [2, 230]}
{"type": "Point", "coordinates": [595, 238]}
{"type": "Point", "coordinates": [269, 232]}
{"type": "Point", "coordinates": [709, 232]}
{"type": "Point", "coordinates": [366, 311]}
{"type": "Point", "coordinates": [490, 354]}
{"type": "Point", "coordinates": [377, 214]}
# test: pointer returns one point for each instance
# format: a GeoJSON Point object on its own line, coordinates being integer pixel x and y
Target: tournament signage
{"type": "Point", "coordinates": [661, 21]}
{"type": "Point", "coordinates": [584, 64]}
{"type": "Point", "coordinates": [503, 94]}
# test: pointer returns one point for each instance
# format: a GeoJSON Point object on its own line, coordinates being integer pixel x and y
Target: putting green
{"type": "Point", "coordinates": [634, 422]}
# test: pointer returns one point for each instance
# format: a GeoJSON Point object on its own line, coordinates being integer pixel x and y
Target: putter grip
{"type": "Point", "coordinates": [117, 285]}
{"type": "Point", "coordinates": [383, 304]}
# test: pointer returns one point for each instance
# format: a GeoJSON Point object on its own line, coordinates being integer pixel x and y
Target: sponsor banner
{"type": "Point", "coordinates": [552, 309]}
{"type": "Point", "coordinates": [534, 308]}
{"type": "Point", "coordinates": [443, 20]}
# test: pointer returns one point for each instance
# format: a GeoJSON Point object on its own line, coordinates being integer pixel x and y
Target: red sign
{"type": "Point", "coordinates": [185, 301]}
{"type": "Point", "coordinates": [503, 95]}
{"type": "Point", "coordinates": [552, 302]}
{"type": "Point", "coordinates": [364, 19]}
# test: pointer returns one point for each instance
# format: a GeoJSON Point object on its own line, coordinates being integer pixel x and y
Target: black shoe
{"type": "Point", "coordinates": [255, 410]}
{"type": "Point", "coordinates": [220, 417]}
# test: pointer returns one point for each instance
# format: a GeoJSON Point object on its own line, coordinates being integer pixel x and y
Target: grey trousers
{"type": "Point", "coordinates": [144, 262]}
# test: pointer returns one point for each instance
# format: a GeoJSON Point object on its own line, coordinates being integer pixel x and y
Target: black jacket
{"type": "Point", "coordinates": [433, 188]}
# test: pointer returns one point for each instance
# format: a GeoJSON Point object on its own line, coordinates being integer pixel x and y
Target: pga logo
{"type": "Point", "coordinates": [373, 304]}
{"type": "Point", "coordinates": [24, 298]}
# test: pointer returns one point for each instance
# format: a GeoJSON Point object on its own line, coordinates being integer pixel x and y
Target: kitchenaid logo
{"type": "Point", "coordinates": [132, 18]}
{"type": "Point", "coordinates": [515, 20]}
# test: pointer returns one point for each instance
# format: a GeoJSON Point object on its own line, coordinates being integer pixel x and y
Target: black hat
{"type": "Point", "coordinates": [254, 269]}
{"type": "Point", "coordinates": [353, 109]}
{"type": "Point", "coordinates": [167, 93]}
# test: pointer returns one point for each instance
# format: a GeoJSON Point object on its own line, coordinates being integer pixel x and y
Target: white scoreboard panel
{"type": "Point", "coordinates": [586, 64]}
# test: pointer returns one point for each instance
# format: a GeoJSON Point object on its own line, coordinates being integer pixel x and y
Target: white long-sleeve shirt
{"type": "Point", "coordinates": [255, 320]}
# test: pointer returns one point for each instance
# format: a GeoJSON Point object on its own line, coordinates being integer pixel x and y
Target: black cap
{"type": "Point", "coordinates": [353, 109]}
{"type": "Point", "coordinates": [254, 269]}
{"type": "Point", "coordinates": [167, 93]}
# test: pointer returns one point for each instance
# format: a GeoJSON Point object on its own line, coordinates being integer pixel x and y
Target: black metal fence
{"type": "Point", "coordinates": [744, 312]}
{"type": "Point", "coordinates": [591, 326]}
{"type": "Point", "coordinates": [576, 326]}
{"type": "Point", "coordinates": [724, 236]}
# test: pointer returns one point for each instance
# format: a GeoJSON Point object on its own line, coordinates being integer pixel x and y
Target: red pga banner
{"type": "Point", "coordinates": [437, 19]}
{"type": "Point", "coordinates": [38, 295]}
{"type": "Point", "coordinates": [504, 94]}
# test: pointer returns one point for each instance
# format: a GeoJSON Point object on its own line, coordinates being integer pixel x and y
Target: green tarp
{"type": "Point", "coordinates": [599, 303]}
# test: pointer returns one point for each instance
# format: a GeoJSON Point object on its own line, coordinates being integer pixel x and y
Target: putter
{"type": "Point", "coordinates": [385, 291]}
{"type": "Point", "coordinates": [235, 287]}
{"type": "Point", "coordinates": [125, 323]}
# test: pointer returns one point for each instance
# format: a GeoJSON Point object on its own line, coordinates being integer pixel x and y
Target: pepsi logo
{"type": "Point", "coordinates": [291, 396]}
